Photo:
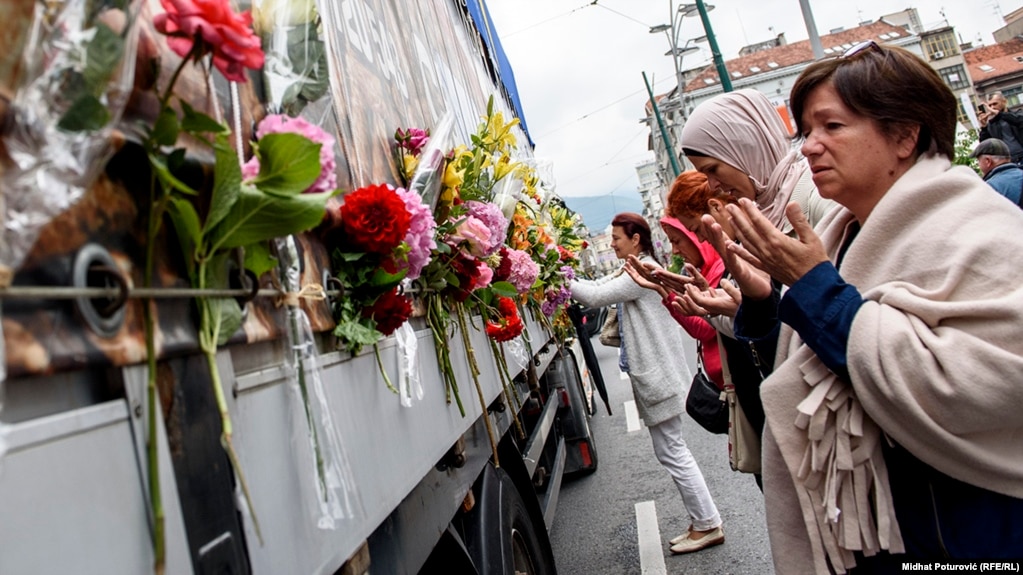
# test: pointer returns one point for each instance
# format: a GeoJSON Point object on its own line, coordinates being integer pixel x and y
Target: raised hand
{"type": "Point", "coordinates": [786, 259]}
{"type": "Point", "coordinates": [719, 301]}
{"type": "Point", "coordinates": [753, 282]}
{"type": "Point", "coordinates": [639, 274]}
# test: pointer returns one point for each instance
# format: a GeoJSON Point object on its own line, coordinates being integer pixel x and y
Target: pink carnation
{"type": "Point", "coordinates": [490, 214]}
{"type": "Point", "coordinates": [281, 124]}
{"type": "Point", "coordinates": [486, 275]}
{"type": "Point", "coordinates": [412, 139]}
{"type": "Point", "coordinates": [420, 234]}
{"type": "Point", "coordinates": [523, 270]}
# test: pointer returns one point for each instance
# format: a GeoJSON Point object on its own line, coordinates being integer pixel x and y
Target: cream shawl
{"type": "Point", "coordinates": [936, 361]}
{"type": "Point", "coordinates": [744, 130]}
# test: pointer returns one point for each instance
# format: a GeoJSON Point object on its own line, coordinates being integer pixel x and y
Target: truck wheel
{"type": "Point", "coordinates": [506, 540]}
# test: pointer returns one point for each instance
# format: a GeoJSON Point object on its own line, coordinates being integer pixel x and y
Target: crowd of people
{"type": "Point", "coordinates": [858, 290]}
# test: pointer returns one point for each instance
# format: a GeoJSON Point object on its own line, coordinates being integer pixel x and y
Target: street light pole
{"type": "Point", "coordinates": [719, 63]}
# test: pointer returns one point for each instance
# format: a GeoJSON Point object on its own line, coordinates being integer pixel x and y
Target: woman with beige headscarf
{"type": "Point", "coordinates": [740, 142]}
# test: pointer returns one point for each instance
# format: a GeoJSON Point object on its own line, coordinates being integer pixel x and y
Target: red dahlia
{"type": "Point", "coordinates": [375, 219]}
{"type": "Point", "coordinates": [509, 325]}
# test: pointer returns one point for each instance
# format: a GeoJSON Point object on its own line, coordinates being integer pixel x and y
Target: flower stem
{"type": "Point", "coordinates": [383, 372]}
{"type": "Point", "coordinates": [474, 370]}
{"type": "Point", "coordinates": [226, 434]}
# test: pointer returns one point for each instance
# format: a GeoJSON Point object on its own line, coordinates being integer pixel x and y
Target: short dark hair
{"type": "Point", "coordinates": [890, 85]}
{"type": "Point", "coordinates": [632, 224]}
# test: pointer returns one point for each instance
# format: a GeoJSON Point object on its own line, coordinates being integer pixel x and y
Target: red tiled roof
{"type": "Point", "coordinates": [796, 53]}
{"type": "Point", "coordinates": [998, 60]}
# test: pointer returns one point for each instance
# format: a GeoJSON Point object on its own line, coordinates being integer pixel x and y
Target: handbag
{"type": "Point", "coordinates": [743, 439]}
{"type": "Point", "coordinates": [610, 334]}
{"type": "Point", "coordinates": [705, 403]}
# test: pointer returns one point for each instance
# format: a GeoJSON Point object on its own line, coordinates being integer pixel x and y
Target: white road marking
{"type": "Point", "coordinates": [651, 556]}
{"type": "Point", "coordinates": [632, 421]}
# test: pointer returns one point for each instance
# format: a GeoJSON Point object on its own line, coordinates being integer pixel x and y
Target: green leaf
{"type": "Point", "coordinates": [230, 317]}
{"type": "Point", "coordinates": [505, 289]}
{"type": "Point", "coordinates": [227, 182]}
{"type": "Point", "coordinates": [258, 217]}
{"type": "Point", "coordinates": [386, 281]}
{"type": "Point", "coordinates": [198, 123]}
{"type": "Point", "coordinates": [186, 224]}
{"type": "Point", "coordinates": [288, 163]}
{"type": "Point", "coordinates": [167, 179]}
{"type": "Point", "coordinates": [87, 113]}
{"type": "Point", "coordinates": [259, 259]}
{"type": "Point", "coordinates": [103, 54]}
{"type": "Point", "coordinates": [355, 335]}
{"type": "Point", "coordinates": [166, 128]}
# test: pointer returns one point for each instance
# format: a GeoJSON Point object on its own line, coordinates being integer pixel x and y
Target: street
{"type": "Point", "coordinates": [620, 518]}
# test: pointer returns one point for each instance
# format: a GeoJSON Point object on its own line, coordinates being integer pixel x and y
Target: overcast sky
{"type": "Point", "coordinates": [579, 66]}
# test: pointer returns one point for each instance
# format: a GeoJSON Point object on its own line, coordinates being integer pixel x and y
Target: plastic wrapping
{"type": "Point", "coordinates": [410, 379]}
{"type": "Point", "coordinates": [429, 173]}
{"type": "Point", "coordinates": [77, 71]}
{"type": "Point", "coordinates": [79, 63]}
{"type": "Point", "coordinates": [296, 69]}
{"type": "Point", "coordinates": [335, 488]}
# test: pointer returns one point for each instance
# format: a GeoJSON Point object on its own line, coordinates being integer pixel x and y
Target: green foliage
{"type": "Point", "coordinates": [85, 88]}
{"type": "Point", "coordinates": [965, 144]}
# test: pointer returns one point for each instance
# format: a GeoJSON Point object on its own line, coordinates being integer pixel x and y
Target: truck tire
{"type": "Point", "coordinates": [505, 539]}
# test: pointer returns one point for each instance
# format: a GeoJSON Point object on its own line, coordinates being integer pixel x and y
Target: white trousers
{"type": "Point", "coordinates": [670, 449]}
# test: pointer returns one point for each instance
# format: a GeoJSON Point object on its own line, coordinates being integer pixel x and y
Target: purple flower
{"type": "Point", "coordinates": [491, 216]}
{"type": "Point", "coordinates": [281, 124]}
{"type": "Point", "coordinates": [420, 234]}
{"type": "Point", "coordinates": [568, 272]}
{"type": "Point", "coordinates": [554, 300]}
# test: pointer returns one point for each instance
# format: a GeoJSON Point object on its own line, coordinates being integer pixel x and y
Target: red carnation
{"type": "Point", "coordinates": [504, 269]}
{"type": "Point", "coordinates": [375, 219]}
{"type": "Point", "coordinates": [390, 310]}
{"type": "Point", "coordinates": [509, 325]}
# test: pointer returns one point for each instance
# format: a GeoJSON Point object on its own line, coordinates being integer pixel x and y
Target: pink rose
{"type": "Point", "coordinates": [229, 35]}
{"type": "Point", "coordinates": [475, 233]}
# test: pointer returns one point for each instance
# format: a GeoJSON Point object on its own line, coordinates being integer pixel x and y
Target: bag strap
{"type": "Point", "coordinates": [726, 375]}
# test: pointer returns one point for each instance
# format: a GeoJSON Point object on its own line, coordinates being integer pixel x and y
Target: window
{"type": "Point", "coordinates": [1013, 96]}
{"type": "Point", "coordinates": [955, 77]}
{"type": "Point", "coordinates": [940, 45]}
{"type": "Point", "coordinates": [985, 68]}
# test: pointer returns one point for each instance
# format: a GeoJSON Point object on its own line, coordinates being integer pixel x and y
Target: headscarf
{"type": "Point", "coordinates": [713, 267]}
{"type": "Point", "coordinates": [744, 130]}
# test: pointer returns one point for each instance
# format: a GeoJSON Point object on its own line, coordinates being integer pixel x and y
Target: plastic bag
{"type": "Point", "coordinates": [410, 380]}
{"type": "Point", "coordinates": [427, 178]}
{"type": "Point", "coordinates": [335, 488]}
{"type": "Point", "coordinates": [296, 69]}
{"type": "Point", "coordinates": [78, 63]}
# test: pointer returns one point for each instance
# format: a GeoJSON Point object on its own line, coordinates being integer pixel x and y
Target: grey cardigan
{"type": "Point", "coordinates": [654, 343]}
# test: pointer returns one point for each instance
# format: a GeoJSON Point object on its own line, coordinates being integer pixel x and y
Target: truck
{"type": "Point", "coordinates": [112, 450]}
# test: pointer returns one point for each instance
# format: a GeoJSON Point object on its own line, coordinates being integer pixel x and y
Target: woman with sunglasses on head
{"type": "Point", "coordinates": [651, 355]}
{"type": "Point", "coordinates": [893, 432]}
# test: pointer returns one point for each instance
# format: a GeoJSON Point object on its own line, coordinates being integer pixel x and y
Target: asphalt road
{"type": "Point", "coordinates": [619, 519]}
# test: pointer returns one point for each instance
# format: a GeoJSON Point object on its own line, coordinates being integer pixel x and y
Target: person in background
{"type": "Point", "coordinates": [893, 432]}
{"type": "Point", "coordinates": [999, 171]}
{"type": "Point", "coordinates": [651, 355]}
{"type": "Point", "coordinates": [996, 121]}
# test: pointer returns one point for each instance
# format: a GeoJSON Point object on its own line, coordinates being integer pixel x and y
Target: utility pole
{"type": "Point", "coordinates": [664, 132]}
{"type": "Point", "coordinates": [719, 63]}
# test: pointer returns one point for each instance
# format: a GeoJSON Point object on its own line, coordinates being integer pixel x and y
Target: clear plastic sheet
{"type": "Point", "coordinates": [336, 498]}
{"type": "Point", "coordinates": [426, 181]}
{"type": "Point", "coordinates": [296, 69]}
{"type": "Point", "coordinates": [79, 63]}
{"type": "Point", "coordinates": [77, 67]}
{"type": "Point", "coordinates": [410, 379]}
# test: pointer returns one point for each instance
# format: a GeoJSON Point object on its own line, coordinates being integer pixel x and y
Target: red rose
{"type": "Point", "coordinates": [390, 310]}
{"type": "Point", "coordinates": [228, 34]}
{"type": "Point", "coordinates": [375, 219]}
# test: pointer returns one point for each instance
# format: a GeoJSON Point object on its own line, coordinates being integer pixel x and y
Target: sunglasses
{"type": "Point", "coordinates": [861, 47]}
